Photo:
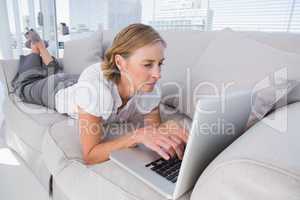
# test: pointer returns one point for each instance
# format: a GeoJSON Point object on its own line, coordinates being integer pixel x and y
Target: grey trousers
{"type": "Point", "coordinates": [38, 83]}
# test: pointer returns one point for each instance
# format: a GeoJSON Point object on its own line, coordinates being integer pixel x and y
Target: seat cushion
{"type": "Point", "coordinates": [29, 121]}
{"type": "Point", "coordinates": [263, 163]}
{"type": "Point", "coordinates": [62, 154]}
{"type": "Point", "coordinates": [30, 156]}
{"type": "Point", "coordinates": [25, 127]}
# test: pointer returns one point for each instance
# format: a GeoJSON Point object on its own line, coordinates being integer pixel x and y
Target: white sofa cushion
{"type": "Point", "coordinates": [232, 62]}
{"type": "Point", "coordinates": [284, 41]}
{"type": "Point", "coordinates": [262, 164]}
{"type": "Point", "coordinates": [32, 120]}
{"type": "Point", "coordinates": [81, 53]}
{"type": "Point", "coordinates": [29, 155]}
{"type": "Point", "coordinates": [8, 70]}
{"type": "Point", "coordinates": [183, 50]}
{"type": "Point", "coordinates": [63, 157]}
{"type": "Point", "coordinates": [25, 127]}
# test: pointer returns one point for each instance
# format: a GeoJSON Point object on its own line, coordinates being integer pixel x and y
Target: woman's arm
{"type": "Point", "coordinates": [94, 150]}
{"type": "Point", "coordinates": [91, 133]}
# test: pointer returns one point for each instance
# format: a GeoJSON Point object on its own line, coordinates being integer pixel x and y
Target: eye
{"type": "Point", "coordinates": [148, 65]}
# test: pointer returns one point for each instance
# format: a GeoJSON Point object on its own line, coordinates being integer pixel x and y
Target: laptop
{"type": "Point", "coordinates": [216, 124]}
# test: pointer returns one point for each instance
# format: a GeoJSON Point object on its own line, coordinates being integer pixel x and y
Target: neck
{"type": "Point", "coordinates": [125, 91]}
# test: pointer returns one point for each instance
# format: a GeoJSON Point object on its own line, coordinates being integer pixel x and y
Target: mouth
{"type": "Point", "coordinates": [151, 84]}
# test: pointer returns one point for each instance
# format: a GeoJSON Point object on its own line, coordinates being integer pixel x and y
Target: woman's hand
{"type": "Point", "coordinates": [162, 142]}
{"type": "Point", "coordinates": [174, 131]}
{"type": "Point", "coordinates": [173, 128]}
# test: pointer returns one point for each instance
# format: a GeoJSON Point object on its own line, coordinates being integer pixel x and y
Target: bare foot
{"type": "Point", "coordinates": [40, 45]}
{"type": "Point", "coordinates": [34, 36]}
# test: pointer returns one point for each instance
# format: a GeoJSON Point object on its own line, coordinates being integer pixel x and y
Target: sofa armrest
{"type": "Point", "coordinates": [3, 79]}
{"type": "Point", "coordinates": [7, 72]}
{"type": "Point", "coordinates": [263, 163]}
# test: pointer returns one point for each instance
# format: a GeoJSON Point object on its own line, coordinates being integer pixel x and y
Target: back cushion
{"type": "Point", "coordinates": [108, 36]}
{"type": "Point", "coordinates": [279, 40]}
{"type": "Point", "coordinates": [232, 62]}
{"type": "Point", "coordinates": [81, 53]}
{"type": "Point", "coordinates": [183, 49]}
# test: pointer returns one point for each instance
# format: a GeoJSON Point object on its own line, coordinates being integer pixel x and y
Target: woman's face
{"type": "Point", "coordinates": [143, 67]}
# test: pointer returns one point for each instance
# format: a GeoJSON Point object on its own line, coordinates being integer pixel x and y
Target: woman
{"type": "Point", "coordinates": [116, 90]}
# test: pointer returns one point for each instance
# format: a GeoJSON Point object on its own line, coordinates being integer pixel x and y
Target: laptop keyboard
{"type": "Point", "coordinates": [169, 169]}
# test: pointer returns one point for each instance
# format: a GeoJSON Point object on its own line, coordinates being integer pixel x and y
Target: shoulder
{"type": "Point", "coordinates": [92, 77]}
{"type": "Point", "coordinates": [92, 72]}
{"type": "Point", "coordinates": [94, 92]}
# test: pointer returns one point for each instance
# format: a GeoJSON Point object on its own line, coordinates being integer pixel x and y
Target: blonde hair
{"type": "Point", "coordinates": [125, 43]}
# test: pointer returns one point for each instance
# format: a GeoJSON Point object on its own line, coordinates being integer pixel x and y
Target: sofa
{"type": "Point", "coordinates": [261, 163]}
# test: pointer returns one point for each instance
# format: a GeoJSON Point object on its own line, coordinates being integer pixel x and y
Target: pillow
{"type": "Point", "coordinates": [269, 96]}
{"type": "Point", "coordinates": [232, 62]}
{"type": "Point", "coordinates": [81, 53]}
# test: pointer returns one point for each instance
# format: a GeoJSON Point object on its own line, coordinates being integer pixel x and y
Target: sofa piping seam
{"type": "Point", "coordinates": [253, 162]}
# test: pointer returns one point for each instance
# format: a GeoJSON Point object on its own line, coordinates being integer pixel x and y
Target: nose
{"type": "Point", "coordinates": [156, 73]}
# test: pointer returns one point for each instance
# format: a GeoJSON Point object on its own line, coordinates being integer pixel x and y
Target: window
{"type": "Point", "coordinates": [294, 25]}
{"type": "Point", "coordinates": [21, 15]}
{"type": "Point", "coordinates": [258, 15]}
{"type": "Point", "coordinates": [254, 15]}
{"type": "Point", "coordinates": [61, 20]}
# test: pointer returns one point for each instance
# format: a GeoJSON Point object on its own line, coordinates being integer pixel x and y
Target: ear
{"type": "Point", "coordinates": [120, 62]}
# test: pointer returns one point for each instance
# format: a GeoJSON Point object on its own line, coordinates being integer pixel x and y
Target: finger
{"type": "Point", "coordinates": [179, 148]}
{"type": "Point", "coordinates": [183, 134]}
{"type": "Point", "coordinates": [177, 139]}
{"type": "Point", "coordinates": [166, 146]}
{"type": "Point", "coordinates": [160, 151]}
{"type": "Point", "coordinates": [175, 145]}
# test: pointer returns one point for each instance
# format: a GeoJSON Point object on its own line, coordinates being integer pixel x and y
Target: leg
{"type": "Point", "coordinates": [29, 70]}
{"type": "Point", "coordinates": [36, 42]}
{"type": "Point", "coordinates": [49, 61]}
{"type": "Point", "coordinates": [35, 50]}
{"type": "Point", "coordinates": [52, 84]}
{"type": "Point", "coordinates": [30, 66]}
{"type": "Point", "coordinates": [31, 73]}
{"type": "Point", "coordinates": [51, 64]}
{"type": "Point", "coordinates": [42, 92]}
{"type": "Point", "coordinates": [44, 53]}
